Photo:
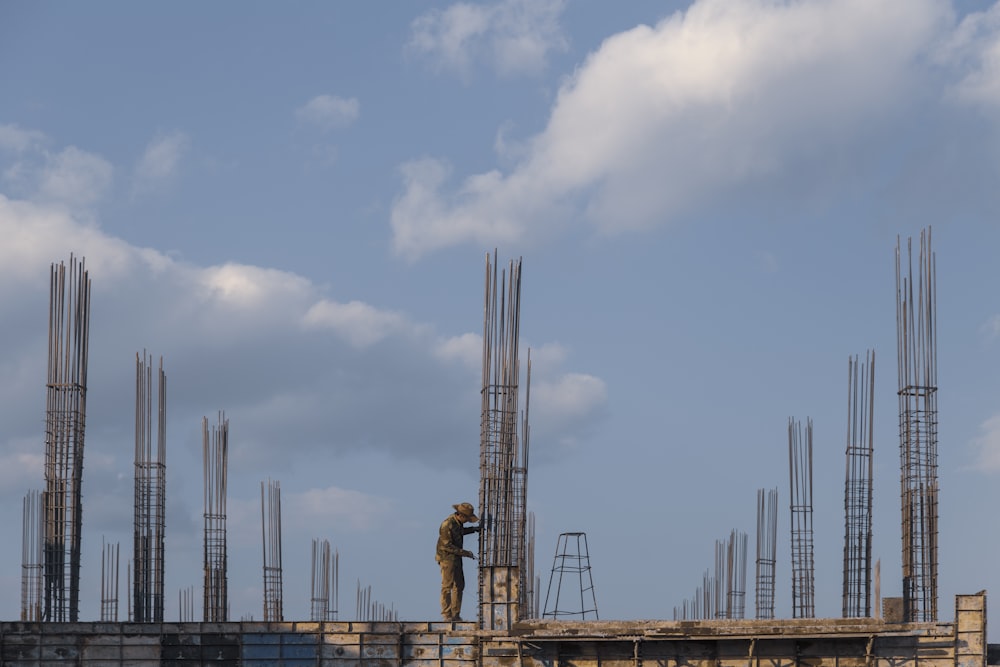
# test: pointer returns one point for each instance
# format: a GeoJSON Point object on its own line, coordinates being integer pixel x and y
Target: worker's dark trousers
{"type": "Point", "coordinates": [452, 585]}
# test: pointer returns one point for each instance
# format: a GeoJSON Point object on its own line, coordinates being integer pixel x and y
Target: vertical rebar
{"type": "Point", "coordinates": [800, 482]}
{"type": "Point", "coordinates": [767, 547]}
{"type": "Point", "coordinates": [215, 457]}
{"type": "Point", "coordinates": [32, 528]}
{"type": "Point", "coordinates": [150, 493]}
{"type": "Point", "coordinates": [65, 420]}
{"type": "Point", "coordinates": [324, 582]}
{"type": "Point", "coordinates": [736, 574]}
{"type": "Point", "coordinates": [916, 334]}
{"type": "Point", "coordinates": [270, 516]}
{"type": "Point", "coordinates": [858, 487]}
{"type": "Point", "coordinates": [109, 582]}
{"type": "Point", "coordinates": [503, 454]}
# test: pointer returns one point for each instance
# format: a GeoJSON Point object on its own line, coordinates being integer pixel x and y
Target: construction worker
{"type": "Point", "coordinates": [449, 555]}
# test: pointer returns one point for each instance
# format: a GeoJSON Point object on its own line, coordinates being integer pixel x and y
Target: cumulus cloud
{"type": "Point", "coordinates": [329, 112]}
{"type": "Point", "coordinates": [513, 36]}
{"type": "Point", "coordinates": [987, 444]}
{"type": "Point", "coordinates": [340, 507]}
{"type": "Point", "coordinates": [16, 139]}
{"type": "Point", "coordinates": [358, 323]}
{"type": "Point", "coordinates": [466, 349]}
{"type": "Point", "coordinates": [662, 117]}
{"type": "Point", "coordinates": [972, 51]}
{"type": "Point", "coordinates": [74, 177]}
{"type": "Point", "coordinates": [159, 162]}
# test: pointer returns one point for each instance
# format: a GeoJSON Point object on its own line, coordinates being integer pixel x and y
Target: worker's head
{"type": "Point", "coordinates": [467, 512]}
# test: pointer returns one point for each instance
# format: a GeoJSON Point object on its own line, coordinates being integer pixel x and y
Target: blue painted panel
{"type": "Point", "coordinates": [261, 638]}
{"type": "Point", "coordinates": [259, 651]}
{"type": "Point", "coordinates": [292, 651]}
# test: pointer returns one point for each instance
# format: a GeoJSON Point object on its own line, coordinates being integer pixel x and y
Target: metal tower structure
{"type": "Point", "coordinates": [916, 336]}
{"type": "Point", "coordinates": [150, 493]}
{"type": "Point", "coordinates": [858, 488]}
{"type": "Point", "coordinates": [767, 548]}
{"type": "Point", "coordinates": [571, 566]}
{"type": "Point", "coordinates": [270, 516]}
{"type": "Point", "coordinates": [800, 483]}
{"type": "Point", "coordinates": [31, 557]}
{"type": "Point", "coordinates": [215, 455]}
{"type": "Point", "coordinates": [325, 582]}
{"type": "Point", "coordinates": [109, 582]}
{"type": "Point", "coordinates": [65, 420]}
{"type": "Point", "coordinates": [503, 456]}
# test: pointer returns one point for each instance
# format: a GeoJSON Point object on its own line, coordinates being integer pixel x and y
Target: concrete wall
{"type": "Point", "coordinates": [773, 643]}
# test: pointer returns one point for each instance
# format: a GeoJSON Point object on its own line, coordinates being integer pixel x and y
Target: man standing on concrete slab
{"type": "Point", "coordinates": [449, 556]}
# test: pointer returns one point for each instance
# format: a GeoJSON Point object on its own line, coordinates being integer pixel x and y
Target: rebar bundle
{"type": "Point", "coordinates": [65, 420]}
{"type": "Point", "coordinates": [529, 606]}
{"type": "Point", "coordinates": [150, 493]}
{"type": "Point", "coordinates": [916, 334]}
{"type": "Point", "coordinates": [109, 582]}
{"type": "Point", "coordinates": [215, 456]}
{"type": "Point", "coordinates": [767, 548]}
{"type": "Point", "coordinates": [31, 557]}
{"type": "Point", "coordinates": [325, 582]}
{"type": "Point", "coordinates": [736, 574]}
{"type": "Point", "coordinates": [270, 516]}
{"type": "Point", "coordinates": [858, 487]}
{"type": "Point", "coordinates": [503, 461]}
{"type": "Point", "coordinates": [800, 483]}
{"type": "Point", "coordinates": [185, 604]}
{"type": "Point", "coordinates": [369, 610]}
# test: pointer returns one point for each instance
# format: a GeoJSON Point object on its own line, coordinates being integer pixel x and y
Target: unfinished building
{"type": "Point", "coordinates": [509, 632]}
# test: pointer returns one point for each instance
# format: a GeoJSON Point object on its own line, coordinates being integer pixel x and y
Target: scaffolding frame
{"type": "Point", "coordinates": [65, 421]}
{"type": "Point", "coordinates": [916, 335]}
{"type": "Point", "coordinates": [150, 493]}
{"type": "Point", "coordinates": [858, 487]}
{"type": "Point", "coordinates": [800, 474]}
{"type": "Point", "coordinates": [572, 558]}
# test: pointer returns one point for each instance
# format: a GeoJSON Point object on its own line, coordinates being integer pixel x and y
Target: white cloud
{"type": "Point", "coordinates": [18, 140]}
{"type": "Point", "coordinates": [74, 177]}
{"type": "Point", "coordinates": [329, 111]}
{"type": "Point", "coordinates": [467, 349]}
{"type": "Point", "coordinates": [515, 36]}
{"type": "Point", "coordinates": [359, 323]}
{"type": "Point", "coordinates": [973, 51]}
{"type": "Point", "coordinates": [159, 162]}
{"type": "Point", "coordinates": [988, 445]}
{"type": "Point", "coordinates": [340, 507]}
{"type": "Point", "coordinates": [251, 286]}
{"type": "Point", "coordinates": [661, 118]}
{"type": "Point", "coordinates": [569, 397]}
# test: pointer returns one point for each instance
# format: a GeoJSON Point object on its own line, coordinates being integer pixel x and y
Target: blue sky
{"type": "Point", "coordinates": [292, 206]}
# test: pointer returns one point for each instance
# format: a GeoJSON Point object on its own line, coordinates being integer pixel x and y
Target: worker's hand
{"type": "Point", "coordinates": [476, 529]}
{"type": "Point", "coordinates": [468, 554]}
